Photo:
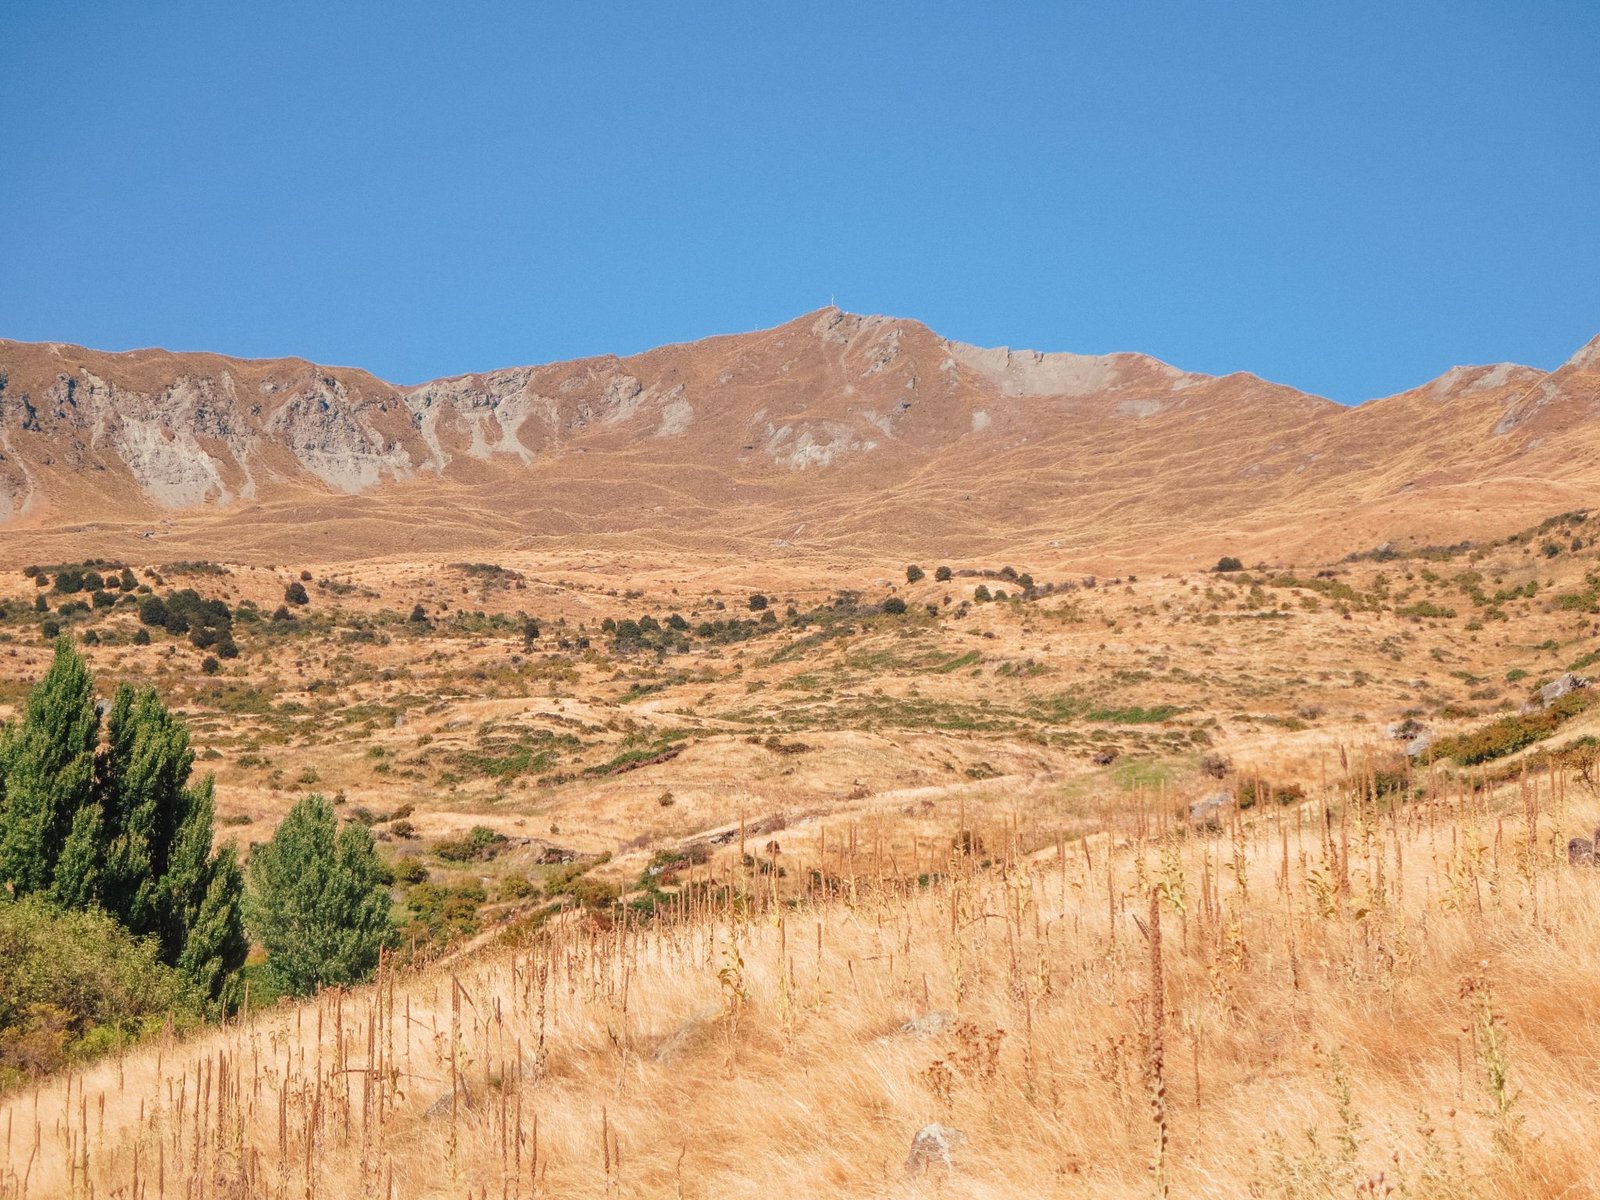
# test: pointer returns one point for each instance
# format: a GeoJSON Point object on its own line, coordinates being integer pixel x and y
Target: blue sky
{"type": "Point", "coordinates": [1348, 198]}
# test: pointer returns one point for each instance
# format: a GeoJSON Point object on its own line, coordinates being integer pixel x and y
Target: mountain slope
{"type": "Point", "coordinates": [833, 432]}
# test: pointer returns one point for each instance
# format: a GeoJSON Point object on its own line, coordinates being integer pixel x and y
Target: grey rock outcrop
{"type": "Point", "coordinates": [1562, 685]}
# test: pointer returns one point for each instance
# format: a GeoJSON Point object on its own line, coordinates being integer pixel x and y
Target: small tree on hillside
{"type": "Point", "coordinates": [914, 573]}
{"type": "Point", "coordinates": [318, 900]}
{"type": "Point", "coordinates": [942, 574]}
{"type": "Point", "coordinates": [119, 827]}
{"type": "Point", "coordinates": [295, 593]}
{"type": "Point", "coordinates": [47, 809]}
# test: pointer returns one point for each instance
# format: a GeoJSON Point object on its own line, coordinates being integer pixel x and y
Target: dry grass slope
{"type": "Point", "coordinates": [1348, 997]}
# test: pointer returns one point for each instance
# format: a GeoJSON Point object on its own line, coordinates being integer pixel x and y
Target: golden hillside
{"type": "Point", "coordinates": [834, 434]}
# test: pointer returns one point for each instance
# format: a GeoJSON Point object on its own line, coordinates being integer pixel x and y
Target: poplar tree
{"type": "Point", "coordinates": [318, 900]}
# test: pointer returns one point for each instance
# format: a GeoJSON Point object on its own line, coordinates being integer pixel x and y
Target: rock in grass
{"type": "Point", "coordinates": [1208, 810]}
{"type": "Point", "coordinates": [929, 1025]}
{"type": "Point", "coordinates": [1584, 852]}
{"type": "Point", "coordinates": [1562, 685]}
{"type": "Point", "coordinates": [933, 1146]}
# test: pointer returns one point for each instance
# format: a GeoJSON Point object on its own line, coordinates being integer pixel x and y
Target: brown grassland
{"type": "Point", "coordinates": [783, 886]}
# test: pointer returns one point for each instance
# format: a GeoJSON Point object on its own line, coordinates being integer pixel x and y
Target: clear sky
{"type": "Point", "coordinates": [1344, 197]}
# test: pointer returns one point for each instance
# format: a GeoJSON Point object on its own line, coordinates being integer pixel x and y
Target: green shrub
{"type": "Point", "coordinates": [1510, 734]}
{"type": "Point", "coordinates": [480, 844]}
{"type": "Point", "coordinates": [76, 983]}
{"type": "Point", "coordinates": [410, 870]}
{"type": "Point", "coordinates": [516, 887]}
{"type": "Point", "coordinates": [443, 913]}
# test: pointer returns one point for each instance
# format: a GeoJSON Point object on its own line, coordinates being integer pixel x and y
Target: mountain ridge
{"type": "Point", "coordinates": [863, 429]}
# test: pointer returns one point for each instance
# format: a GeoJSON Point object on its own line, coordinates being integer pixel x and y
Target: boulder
{"type": "Point", "coordinates": [929, 1025]}
{"type": "Point", "coordinates": [1562, 685]}
{"type": "Point", "coordinates": [1407, 730]}
{"type": "Point", "coordinates": [1580, 852]}
{"type": "Point", "coordinates": [933, 1146]}
{"type": "Point", "coordinates": [448, 1102]}
{"type": "Point", "coordinates": [1208, 809]}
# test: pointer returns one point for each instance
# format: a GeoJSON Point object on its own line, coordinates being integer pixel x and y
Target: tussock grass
{"type": "Point", "coordinates": [1341, 998]}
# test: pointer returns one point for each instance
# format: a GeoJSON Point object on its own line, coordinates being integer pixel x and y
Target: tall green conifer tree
{"type": "Point", "coordinates": [47, 760]}
{"type": "Point", "coordinates": [318, 900]}
{"type": "Point", "coordinates": [122, 829]}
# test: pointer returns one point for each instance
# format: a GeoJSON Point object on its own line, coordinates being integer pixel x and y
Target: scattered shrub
{"type": "Point", "coordinates": [480, 844]}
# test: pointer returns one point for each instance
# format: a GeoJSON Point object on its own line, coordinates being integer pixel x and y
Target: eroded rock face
{"type": "Point", "coordinates": [821, 415]}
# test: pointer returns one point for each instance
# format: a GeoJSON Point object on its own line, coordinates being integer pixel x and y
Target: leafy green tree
{"type": "Point", "coordinates": [318, 900]}
{"type": "Point", "coordinates": [47, 763]}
